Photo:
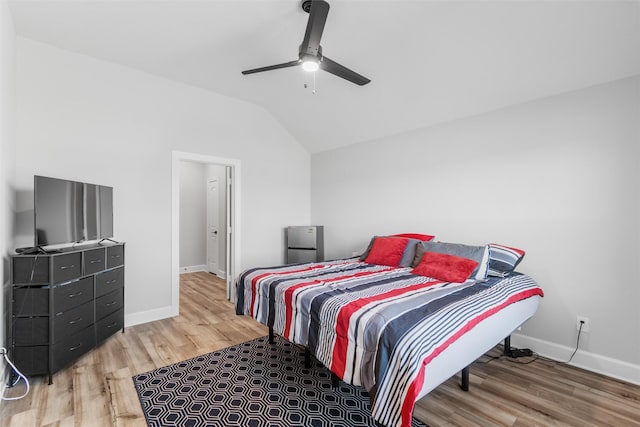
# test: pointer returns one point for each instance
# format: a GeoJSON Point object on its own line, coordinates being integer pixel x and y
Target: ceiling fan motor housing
{"type": "Point", "coordinates": [310, 52]}
{"type": "Point", "coordinates": [306, 5]}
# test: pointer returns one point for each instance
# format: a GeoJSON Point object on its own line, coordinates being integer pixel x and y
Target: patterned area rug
{"type": "Point", "coordinates": [253, 384]}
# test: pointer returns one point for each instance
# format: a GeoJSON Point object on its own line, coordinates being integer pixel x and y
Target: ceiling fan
{"type": "Point", "coordinates": [310, 55]}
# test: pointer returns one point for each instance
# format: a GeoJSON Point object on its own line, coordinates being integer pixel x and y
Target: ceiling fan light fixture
{"type": "Point", "coordinates": [310, 65]}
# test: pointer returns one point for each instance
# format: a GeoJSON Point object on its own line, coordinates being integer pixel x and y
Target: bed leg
{"type": "Point", "coordinates": [507, 346]}
{"type": "Point", "coordinates": [334, 380]}
{"type": "Point", "coordinates": [307, 358]}
{"type": "Point", "coordinates": [465, 379]}
{"type": "Point", "coordinates": [271, 336]}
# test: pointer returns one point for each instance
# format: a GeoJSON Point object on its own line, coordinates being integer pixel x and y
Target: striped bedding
{"type": "Point", "coordinates": [373, 326]}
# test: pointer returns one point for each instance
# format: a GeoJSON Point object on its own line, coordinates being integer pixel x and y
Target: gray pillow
{"type": "Point", "coordinates": [409, 253]}
{"type": "Point", "coordinates": [480, 254]}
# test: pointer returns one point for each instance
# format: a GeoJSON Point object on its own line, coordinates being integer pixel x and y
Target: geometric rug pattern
{"type": "Point", "coordinates": [253, 384]}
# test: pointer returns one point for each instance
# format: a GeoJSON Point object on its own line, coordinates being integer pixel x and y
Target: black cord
{"type": "Point", "coordinates": [575, 350]}
{"type": "Point", "coordinates": [577, 344]}
{"type": "Point", "coordinates": [535, 356]}
{"type": "Point", "coordinates": [490, 357]}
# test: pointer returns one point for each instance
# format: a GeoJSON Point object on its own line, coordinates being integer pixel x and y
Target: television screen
{"type": "Point", "coordinates": [106, 212]}
{"type": "Point", "coordinates": [91, 224]}
{"type": "Point", "coordinates": [69, 211]}
{"type": "Point", "coordinates": [58, 211]}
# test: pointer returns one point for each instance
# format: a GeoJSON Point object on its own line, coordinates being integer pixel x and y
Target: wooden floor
{"type": "Point", "coordinates": [98, 391]}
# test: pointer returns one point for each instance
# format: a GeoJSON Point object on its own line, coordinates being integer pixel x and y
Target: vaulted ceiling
{"type": "Point", "coordinates": [429, 61]}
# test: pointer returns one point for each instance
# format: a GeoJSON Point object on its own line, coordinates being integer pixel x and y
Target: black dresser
{"type": "Point", "coordinates": [64, 304]}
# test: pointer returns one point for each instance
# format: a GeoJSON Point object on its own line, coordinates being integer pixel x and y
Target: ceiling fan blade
{"type": "Point", "coordinates": [315, 26]}
{"type": "Point", "coordinates": [341, 71]}
{"type": "Point", "coordinates": [272, 67]}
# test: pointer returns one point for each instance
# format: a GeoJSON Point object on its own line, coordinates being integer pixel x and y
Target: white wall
{"type": "Point", "coordinates": [193, 219]}
{"type": "Point", "coordinates": [558, 177]}
{"type": "Point", "coordinates": [7, 157]}
{"type": "Point", "coordinates": [94, 121]}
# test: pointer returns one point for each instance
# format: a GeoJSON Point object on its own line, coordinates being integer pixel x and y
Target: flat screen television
{"type": "Point", "coordinates": [69, 211]}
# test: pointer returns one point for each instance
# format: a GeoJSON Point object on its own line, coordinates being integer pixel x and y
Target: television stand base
{"type": "Point", "coordinates": [109, 240]}
{"type": "Point", "coordinates": [31, 250]}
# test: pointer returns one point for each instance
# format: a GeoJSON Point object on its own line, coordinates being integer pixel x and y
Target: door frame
{"type": "Point", "coordinates": [233, 222]}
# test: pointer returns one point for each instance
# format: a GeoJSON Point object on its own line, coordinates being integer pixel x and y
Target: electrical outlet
{"type": "Point", "coordinates": [585, 323]}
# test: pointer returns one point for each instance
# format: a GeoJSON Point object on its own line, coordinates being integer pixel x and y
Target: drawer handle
{"type": "Point", "coordinates": [65, 267]}
{"type": "Point", "coordinates": [77, 294]}
{"type": "Point", "coordinates": [110, 282]}
{"type": "Point", "coordinates": [109, 304]}
{"type": "Point", "coordinates": [93, 261]}
{"type": "Point", "coordinates": [115, 256]}
{"type": "Point", "coordinates": [74, 321]}
{"type": "Point", "coordinates": [75, 347]}
{"type": "Point", "coordinates": [112, 324]}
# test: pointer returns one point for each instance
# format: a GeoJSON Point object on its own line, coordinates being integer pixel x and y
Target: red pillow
{"type": "Point", "coordinates": [387, 251]}
{"type": "Point", "coordinates": [423, 237]}
{"type": "Point", "coordinates": [449, 268]}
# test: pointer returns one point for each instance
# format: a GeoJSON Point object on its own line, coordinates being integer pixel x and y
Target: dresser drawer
{"type": "Point", "coordinates": [67, 267]}
{"type": "Point", "coordinates": [110, 325]}
{"type": "Point", "coordinates": [30, 270]}
{"type": "Point", "coordinates": [109, 303]}
{"type": "Point", "coordinates": [72, 294]}
{"type": "Point", "coordinates": [31, 301]}
{"type": "Point", "coordinates": [32, 360]}
{"type": "Point", "coordinates": [71, 348]}
{"type": "Point", "coordinates": [94, 261]}
{"type": "Point", "coordinates": [69, 322]}
{"type": "Point", "coordinates": [109, 281]}
{"type": "Point", "coordinates": [115, 256]}
{"type": "Point", "coordinates": [31, 330]}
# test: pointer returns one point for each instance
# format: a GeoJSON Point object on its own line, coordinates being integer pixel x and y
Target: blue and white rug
{"type": "Point", "coordinates": [253, 384]}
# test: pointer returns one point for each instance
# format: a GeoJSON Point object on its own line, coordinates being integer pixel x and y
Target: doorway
{"type": "Point", "coordinates": [231, 229]}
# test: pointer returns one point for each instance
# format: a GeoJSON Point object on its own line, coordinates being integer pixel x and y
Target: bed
{"type": "Point", "coordinates": [399, 320]}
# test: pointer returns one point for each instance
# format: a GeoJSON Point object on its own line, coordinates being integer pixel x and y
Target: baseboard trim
{"type": "Point", "coordinates": [193, 268]}
{"type": "Point", "coordinates": [148, 316]}
{"type": "Point", "coordinates": [604, 365]}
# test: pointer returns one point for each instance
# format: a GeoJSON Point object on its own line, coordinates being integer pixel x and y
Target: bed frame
{"type": "Point", "coordinates": [459, 356]}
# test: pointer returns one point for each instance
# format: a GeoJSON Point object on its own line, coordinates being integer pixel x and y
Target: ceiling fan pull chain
{"type": "Point", "coordinates": [314, 83]}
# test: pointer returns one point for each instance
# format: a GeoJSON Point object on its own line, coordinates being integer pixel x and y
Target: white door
{"type": "Point", "coordinates": [228, 231]}
{"type": "Point", "coordinates": [213, 218]}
